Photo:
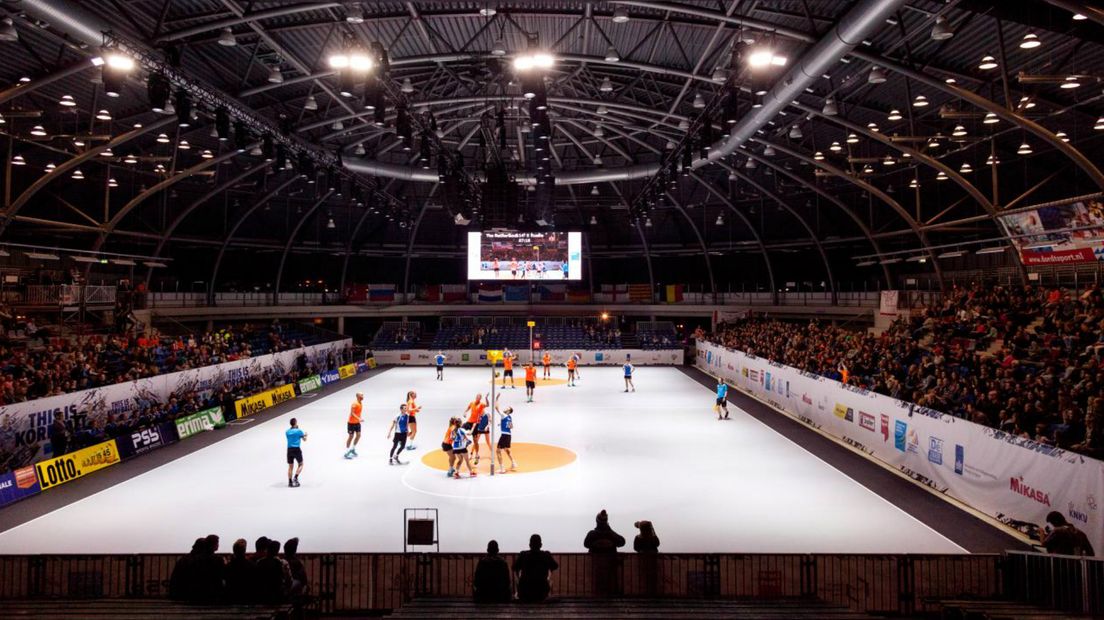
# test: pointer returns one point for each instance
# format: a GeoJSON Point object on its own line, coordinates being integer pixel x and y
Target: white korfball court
{"type": "Point", "coordinates": [658, 454]}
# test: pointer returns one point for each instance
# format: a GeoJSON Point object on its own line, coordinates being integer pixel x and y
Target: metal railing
{"type": "Point", "coordinates": [69, 295]}
{"type": "Point", "coordinates": [899, 584]}
{"type": "Point", "coordinates": [1070, 583]}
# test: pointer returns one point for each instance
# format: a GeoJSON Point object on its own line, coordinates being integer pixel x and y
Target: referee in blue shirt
{"type": "Point", "coordinates": [295, 436]}
{"type": "Point", "coordinates": [722, 401]}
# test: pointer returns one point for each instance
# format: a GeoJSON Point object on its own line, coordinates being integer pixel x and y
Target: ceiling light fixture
{"type": "Point", "coordinates": [8, 33]}
{"type": "Point", "coordinates": [1025, 149]}
{"type": "Point", "coordinates": [920, 102]}
{"type": "Point", "coordinates": [1071, 81]}
{"type": "Point", "coordinates": [830, 108]}
{"type": "Point", "coordinates": [606, 86]}
{"type": "Point", "coordinates": [78, 175]}
{"type": "Point", "coordinates": [941, 29]}
{"type": "Point", "coordinates": [990, 118]}
{"type": "Point", "coordinates": [227, 38]}
{"type": "Point", "coordinates": [894, 115]}
{"type": "Point", "coordinates": [67, 101]}
{"type": "Point", "coordinates": [1061, 135]}
{"type": "Point", "coordinates": [965, 168]}
{"type": "Point", "coordinates": [1030, 41]}
{"type": "Point", "coordinates": [765, 57]}
{"type": "Point", "coordinates": [620, 16]}
{"type": "Point", "coordinates": [18, 161]}
{"type": "Point", "coordinates": [163, 138]}
{"type": "Point", "coordinates": [103, 115]}
{"type": "Point", "coordinates": [612, 55]}
{"type": "Point", "coordinates": [959, 131]}
{"type": "Point", "coordinates": [877, 75]}
{"type": "Point", "coordinates": [987, 63]}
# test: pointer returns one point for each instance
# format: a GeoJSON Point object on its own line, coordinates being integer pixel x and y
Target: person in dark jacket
{"type": "Point", "coordinates": [59, 437]}
{"type": "Point", "coordinates": [646, 541]}
{"type": "Point", "coordinates": [182, 582]}
{"type": "Point", "coordinates": [273, 578]}
{"type": "Point", "coordinates": [602, 542]}
{"type": "Point", "coordinates": [1061, 537]}
{"type": "Point", "coordinates": [533, 568]}
{"type": "Point", "coordinates": [241, 575]}
{"type": "Point", "coordinates": [210, 572]}
{"type": "Point", "coordinates": [646, 546]}
{"type": "Point", "coordinates": [491, 583]}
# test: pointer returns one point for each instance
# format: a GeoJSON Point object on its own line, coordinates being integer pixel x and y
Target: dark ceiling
{"type": "Point", "coordinates": [774, 199]}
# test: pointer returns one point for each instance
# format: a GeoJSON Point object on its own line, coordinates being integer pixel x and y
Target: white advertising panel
{"type": "Point", "coordinates": [1014, 480]}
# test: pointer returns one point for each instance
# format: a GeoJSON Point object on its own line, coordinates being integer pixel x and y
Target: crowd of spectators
{"type": "Point", "coordinates": [1025, 359]}
{"type": "Point", "coordinates": [263, 577]}
{"type": "Point", "coordinates": [60, 366]}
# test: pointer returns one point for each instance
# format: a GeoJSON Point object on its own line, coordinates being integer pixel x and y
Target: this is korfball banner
{"type": "Point", "coordinates": [1014, 480]}
{"type": "Point", "coordinates": [24, 427]}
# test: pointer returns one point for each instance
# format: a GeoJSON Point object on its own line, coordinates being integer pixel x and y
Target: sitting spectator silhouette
{"type": "Point", "coordinates": [298, 572]}
{"type": "Point", "coordinates": [241, 575]}
{"type": "Point", "coordinates": [533, 568]}
{"type": "Point", "coordinates": [183, 582]}
{"type": "Point", "coordinates": [210, 572]}
{"type": "Point", "coordinates": [646, 545]}
{"type": "Point", "coordinates": [273, 579]}
{"type": "Point", "coordinates": [1063, 538]}
{"type": "Point", "coordinates": [491, 583]}
{"type": "Point", "coordinates": [602, 542]}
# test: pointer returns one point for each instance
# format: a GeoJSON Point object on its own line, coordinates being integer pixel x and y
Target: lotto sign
{"type": "Point", "coordinates": [76, 464]}
{"type": "Point", "coordinates": [346, 371]}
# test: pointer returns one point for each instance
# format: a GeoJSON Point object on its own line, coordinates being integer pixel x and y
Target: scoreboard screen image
{"type": "Point", "coordinates": [514, 255]}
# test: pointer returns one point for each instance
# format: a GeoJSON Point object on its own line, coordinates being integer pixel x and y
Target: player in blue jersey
{"type": "Point", "coordinates": [295, 436]}
{"type": "Point", "coordinates": [505, 439]}
{"type": "Point", "coordinates": [460, 442]}
{"type": "Point", "coordinates": [440, 361]}
{"type": "Point", "coordinates": [563, 266]}
{"type": "Point", "coordinates": [400, 426]}
{"type": "Point", "coordinates": [628, 367]}
{"type": "Point", "coordinates": [722, 401]}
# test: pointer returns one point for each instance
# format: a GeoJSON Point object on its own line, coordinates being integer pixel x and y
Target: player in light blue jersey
{"type": "Point", "coordinates": [400, 426]}
{"type": "Point", "coordinates": [628, 367]}
{"type": "Point", "coordinates": [722, 400]}
{"type": "Point", "coordinates": [440, 361]}
{"type": "Point", "coordinates": [505, 440]}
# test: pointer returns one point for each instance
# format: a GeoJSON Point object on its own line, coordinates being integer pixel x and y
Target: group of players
{"type": "Point", "coordinates": [461, 434]}
{"type": "Point", "coordinates": [520, 269]}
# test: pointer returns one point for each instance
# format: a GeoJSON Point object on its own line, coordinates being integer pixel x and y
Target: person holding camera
{"type": "Point", "coordinates": [1062, 538]}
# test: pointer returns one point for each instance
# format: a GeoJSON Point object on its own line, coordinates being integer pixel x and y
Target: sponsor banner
{"type": "Point", "coordinates": [201, 421]}
{"type": "Point", "coordinates": [1058, 257]}
{"type": "Point", "coordinates": [146, 440]}
{"type": "Point", "coordinates": [478, 357]}
{"type": "Point", "coordinates": [371, 363]}
{"type": "Point", "coordinates": [1058, 235]}
{"type": "Point", "coordinates": [346, 371]}
{"type": "Point", "coordinates": [330, 376]}
{"type": "Point", "coordinates": [24, 427]}
{"type": "Point", "coordinates": [1014, 480]}
{"type": "Point", "coordinates": [15, 485]}
{"type": "Point", "coordinates": [71, 466]}
{"type": "Point", "coordinates": [259, 402]}
{"type": "Point", "coordinates": [361, 367]}
{"type": "Point", "coordinates": [310, 384]}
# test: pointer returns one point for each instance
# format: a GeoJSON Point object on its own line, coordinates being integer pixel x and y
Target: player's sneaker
{"type": "Point", "coordinates": [354, 452]}
{"type": "Point", "coordinates": [513, 466]}
{"type": "Point", "coordinates": [295, 482]}
{"type": "Point", "coordinates": [450, 473]}
{"type": "Point", "coordinates": [476, 462]}
{"type": "Point", "coordinates": [398, 462]}
{"type": "Point", "coordinates": [501, 470]}
{"type": "Point", "coordinates": [456, 476]}
{"type": "Point", "coordinates": [411, 447]}
{"type": "Point", "coordinates": [290, 484]}
{"type": "Point", "coordinates": [472, 473]}
{"type": "Point", "coordinates": [349, 455]}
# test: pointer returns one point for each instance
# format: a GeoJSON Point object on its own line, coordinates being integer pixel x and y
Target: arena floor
{"type": "Point", "coordinates": [657, 454]}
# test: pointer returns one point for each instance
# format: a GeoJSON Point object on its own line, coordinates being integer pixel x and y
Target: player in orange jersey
{"type": "Point", "coordinates": [546, 360]}
{"type": "Point", "coordinates": [353, 427]}
{"type": "Point", "coordinates": [508, 368]}
{"type": "Point", "coordinates": [530, 381]}
{"type": "Point", "coordinates": [446, 444]}
{"type": "Point", "coordinates": [412, 410]}
{"type": "Point", "coordinates": [571, 366]}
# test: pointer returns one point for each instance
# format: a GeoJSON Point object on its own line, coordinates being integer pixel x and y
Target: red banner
{"type": "Point", "coordinates": [1059, 257]}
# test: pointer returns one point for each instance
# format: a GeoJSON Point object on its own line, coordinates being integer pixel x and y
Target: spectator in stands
{"type": "Point", "coordinates": [59, 437]}
{"type": "Point", "coordinates": [241, 575]}
{"type": "Point", "coordinates": [646, 541]}
{"type": "Point", "coordinates": [646, 544]}
{"type": "Point", "coordinates": [602, 542]}
{"type": "Point", "coordinates": [209, 572]}
{"type": "Point", "coordinates": [491, 583]}
{"type": "Point", "coordinates": [533, 568]}
{"type": "Point", "coordinates": [273, 575]}
{"type": "Point", "coordinates": [1061, 537]}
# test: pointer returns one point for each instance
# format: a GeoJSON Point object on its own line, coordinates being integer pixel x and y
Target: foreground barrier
{"type": "Point", "coordinates": [1013, 480]}
{"type": "Point", "coordinates": [896, 584]}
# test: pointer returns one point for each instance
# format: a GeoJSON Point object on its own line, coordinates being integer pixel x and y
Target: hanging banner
{"type": "Point", "coordinates": [1013, 480]}
{"type": "Point", "coordinates": [1058, 235]}
{"type": "Point", "coordinates": [888, 303]}
{"type": "Point", "coordinates": [71, 466]}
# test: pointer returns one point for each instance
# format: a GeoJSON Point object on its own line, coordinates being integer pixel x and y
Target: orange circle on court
{"type": "Point", "coordinates": [530, 457]}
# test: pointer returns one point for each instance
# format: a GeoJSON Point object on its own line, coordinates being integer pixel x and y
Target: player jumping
{"type": "Point", "coordinates": [628, 375]}
{"type": "Point", "coordinates": [505, 439]}
{"type": "Point", "coordinates": [353, 427]}
{"type": "Point", "coordinates": [440, 360]}
{"type": "Point", "coordinates": [722, 401]}
{"type": "Point", "coordinates": [412, 410]}
{"type": "Point", "coordinates": [482, 428]}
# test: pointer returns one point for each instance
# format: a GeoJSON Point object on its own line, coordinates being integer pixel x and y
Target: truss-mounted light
{"type": "Point", "coordinates": [534, 58]}
{"type": "Point", "coordinates": [941, 29]}
{"type": "Point", "coordinates": [352, 58]}
{"type": "Point", "coordinates": [227, 38]}
{"type": "Point", "coordinates": [765, 57]}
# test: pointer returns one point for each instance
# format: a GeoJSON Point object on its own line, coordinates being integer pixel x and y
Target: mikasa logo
{"type": "Point", "coordinates": [1017, 485]}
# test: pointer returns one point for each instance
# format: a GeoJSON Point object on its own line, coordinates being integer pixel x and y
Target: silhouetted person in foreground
{"type": "Point", "coordinates": [491, 583]}
{"type": "Point", "coordinates": [1061, 537]}
{"type": "Point", "coordinates": [241, 575]}
{"type": "Point", "coordinates": [273, 579]}
{"type": "Point", "coordinates": [602, 542]}
{"type": "Point", "coordinates": [210, 572]}
{"type": "Point", "coordinates": [646, 546]}
{"type": "Point", "coordinates": [183, 582]}
{"type": "Point", "coordinates": [533, 568]}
